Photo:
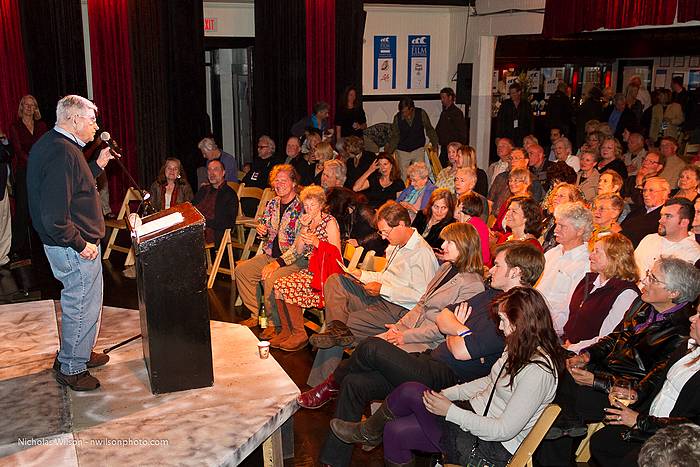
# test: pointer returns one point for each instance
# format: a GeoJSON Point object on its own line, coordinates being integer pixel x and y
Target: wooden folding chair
{"type": "Point", "coordinates": [234, 186]}
{"type": "Point", "coordinates": [352, 255]}
{"type": "Point", "coordinates": [250, 223]}
{"type": "Point", "coordinates": [523, 456]}
{"type": "Point", "coordinates": [368, 262]}
{"type": "Point", "coordinates": [132, 194]}
{"type": "Point", "coordinates": [583, 452]}
{"type": "Point", "coordinates": [215, 268]}
{"type": "Point", "coordinates": [379, 263]}
{"type": "Point", "coordinates": [434, 158]}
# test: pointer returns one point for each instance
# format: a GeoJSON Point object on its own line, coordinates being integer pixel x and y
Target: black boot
{"type": "Point", "coordinates": [369, 432]}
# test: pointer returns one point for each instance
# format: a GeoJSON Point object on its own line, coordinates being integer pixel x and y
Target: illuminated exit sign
{"type": "Point", "coordinates": [210, 24]}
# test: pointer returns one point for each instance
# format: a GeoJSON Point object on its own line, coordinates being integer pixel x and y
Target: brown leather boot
{"type": "Point", "coordinates": [298, 340]}
{"type": "Point", "coordinates": [285, 327]}
{"type": "Point", "coordinates": [369, 432]}
{"type": "Point", "coordinates": [269, 333]}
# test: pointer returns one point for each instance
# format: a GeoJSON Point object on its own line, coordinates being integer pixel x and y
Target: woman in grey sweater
{"type": "Point", "coordinates": [486, 419]}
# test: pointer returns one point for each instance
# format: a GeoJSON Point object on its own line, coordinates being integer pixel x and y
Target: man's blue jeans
{"type": "Point", "coordinates": [81, 305]}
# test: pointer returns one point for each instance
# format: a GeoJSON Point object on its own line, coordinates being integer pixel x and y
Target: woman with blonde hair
{"type": "Point", "coordinates": [323, 152]}
{"type": "Point", "coordinates": [319, 233]}
{"type": "Point", "coordinates": [560, 194]}
{"type": "Point", "coordinates": [600, 300]}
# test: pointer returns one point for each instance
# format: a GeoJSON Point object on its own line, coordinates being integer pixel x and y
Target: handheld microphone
{"type": "Point", "coordinates": [115, 149]}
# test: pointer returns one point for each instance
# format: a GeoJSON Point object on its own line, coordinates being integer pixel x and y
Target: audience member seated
{"type": "Point", "coordinates": [504, 146]}
{"type": "Point", "coordinates": [590, 110]}
{"type": "Point", "coordinates": [260, 172]}
{"type": "Point", "coordinates": [688, 183]}
{"type": "Point", "coordinates": [459, 278]}
{"type": "Point", "coordinates": [355, 219]}
{"type": "Point", "coordinates": [217, 202]}
{"type": "Point", "coordinates": [468, 154]}
{"type": "Point", "coordinates": [416, 195]}
{"type": "Point", "coordinates": [587, 178]}
{"type": "Point", "coordinates": [651, 167]}
{"type": "Point", "coordinates": [446, 177]}
{"type": "Point", "coordinates": [600, 300]}
{"type": "Point", "coordinates": [635, 153]}
{"type": "Point", "coordinates": [350, 118]}
{"type": "Point", "coordinates": [439, 213]}
{"type": "Point", "coordinates": [566, 263]}
{"type": "Point", "coordinates": [474, 423]}
{"type": "Point", "coordinates": [322, 154]}
{"type": "Point", "coordinates": [305, 164]}
{"type": "Point", "coordinates": [675, 402]}
{"type": "Point", "coordinates": [472, 345]}
{"type": "Point", "coordinates": [317, 120]}
{"type": "Point", "coordinates": [292, 151]}
{"type": "Point", "coordinates": [519, 184]}
{"type": "Point", "coordinates": [666, 117]}
{"type": "Point", "coordinates": [610, 182]}
{"type": "Point", "coordinates": [559, 172]}
{"type": "Point", "coordinates": [468, 210]}
{"type": "Point", "coordinates": [302, 289]}
{"type": "Point", "coordinates": [620, 117]}
{"type": "Point", "coordinates": [409, 128]}
{"type": "Point", "coordinates": [333, 175]}
{"type": "Point", "coordinates": [381, 182]}
{"type": "Point", "coordinates": [211, 151]}
{"type": "Point", "coordinates": [465, 182]}
{"type": "Point", "coordinates": [593, 140]}
{"type": "Point", "coordinates": [606, 211]}
{"type": "Point", "coordinates": [358, 307]}
{"type": "Point", "coordinates": [640, 350]}
{"type": "Point", "coordinates": [357, 160]}
{"type": "Point", "coordinates": [171, 187]}
{"type": "Point", "coordinates": [610, 157]}
{"type": "Point", "coordinates": [538, 165]}
{"type": "Point", "coordinates": [499, 192]}
{"type": "Point", "coordinates": [278, 229]}
{"type": "Point", "coordinates": [523, 221]}
{"type": "Point", "coordinates": [674, 164]}
{"type": "Point", "coordinates": [672, 239]}
{"type": "Point", "coordinates": [562, 152]}
{"type": "Point", "coordinates": [644, 219]}
{"type": "Point", "coordinates": [673, 445]}
{"type": "Point", "coordinates": [561, 193]}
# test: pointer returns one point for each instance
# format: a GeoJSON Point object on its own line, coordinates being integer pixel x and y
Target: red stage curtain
{"type": "Point", "coordinates": [688, 10]}
{"type": "Point", "coordinates": [13, 67]}
{"type": "Point", "coordinates": [569, 17]}
{"type": "Point", "coordinates": [320, 53]}
{"type": "Point", "coordinates": [112, 85]}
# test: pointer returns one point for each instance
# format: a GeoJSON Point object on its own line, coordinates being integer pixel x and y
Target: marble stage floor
{"type": "Point", "coordinates": [122, 423]}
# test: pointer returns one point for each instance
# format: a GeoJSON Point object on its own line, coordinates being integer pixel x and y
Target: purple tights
{"type": "Point", "coordinates": [414, 428]}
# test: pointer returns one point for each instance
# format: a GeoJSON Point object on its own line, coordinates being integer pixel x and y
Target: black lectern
{"type": "Point", "coordinates": [173, 301]}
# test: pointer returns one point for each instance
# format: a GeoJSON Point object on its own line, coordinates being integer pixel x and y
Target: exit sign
{"type": "Point", "coordinates": [210, 24]}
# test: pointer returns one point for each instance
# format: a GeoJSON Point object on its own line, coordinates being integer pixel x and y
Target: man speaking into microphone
{"type": "Point", "coordinates": [66, 212]}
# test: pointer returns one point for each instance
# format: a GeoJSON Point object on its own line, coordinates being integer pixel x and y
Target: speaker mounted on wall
{"type": "Point", "coordinates": [464, 83]}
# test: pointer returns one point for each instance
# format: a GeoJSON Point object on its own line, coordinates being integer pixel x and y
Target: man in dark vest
{"type": "Point", "coordinates": [408, 130]}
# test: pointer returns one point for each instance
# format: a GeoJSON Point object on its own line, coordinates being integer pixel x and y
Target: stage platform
{"type": "Point", "coordinates": [122, 423]}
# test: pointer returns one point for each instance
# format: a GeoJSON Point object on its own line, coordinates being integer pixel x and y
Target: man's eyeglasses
{"type": "Point", "coordinates": [384, 234]}
{"type": "Point", "coordinates": [91, 118]}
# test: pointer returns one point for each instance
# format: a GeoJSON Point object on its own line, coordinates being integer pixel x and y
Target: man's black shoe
{"type": "Point", "coordinates": [336, 333]}
{"type": "Point", "coordinates": [96, 359]}
{"type": "Point", "coordinates": [81, 382]}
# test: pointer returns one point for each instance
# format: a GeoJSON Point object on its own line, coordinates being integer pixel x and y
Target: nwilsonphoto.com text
{"type": "Point", "coordinates": [64, 441]}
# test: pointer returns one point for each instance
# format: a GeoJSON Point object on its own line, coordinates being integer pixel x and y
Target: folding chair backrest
{"type": "Point", "coordinates": [368, 262]}
{"type": "Point", "coordinates": [352, 255]}
{"type": "Point", "coordinates": [523, 456]}
{"type": "Point", "coordinates": [379, 263]}
{"type": "Point", "coordinates": [435, 161]}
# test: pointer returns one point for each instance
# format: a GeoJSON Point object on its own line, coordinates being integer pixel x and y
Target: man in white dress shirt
{"type": "Point", "coordinates": [503, 148]}
{"type": "Point", "coordinates": [672, 239]}
{"type": "Point", "coordinates": [566, 263]}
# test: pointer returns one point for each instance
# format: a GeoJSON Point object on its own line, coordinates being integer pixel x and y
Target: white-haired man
{"type": "Point", "coordinates": [566, 263]}
{"type": "Point", "coordinates": [66, 212]}
{"type": "Point", "coordinates": [210, 151]}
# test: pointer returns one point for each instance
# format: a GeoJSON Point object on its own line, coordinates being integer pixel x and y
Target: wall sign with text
{"type": "Point", "coordinates": [418, 62]}
{"type": "Point", "coordinates": [384, 62]}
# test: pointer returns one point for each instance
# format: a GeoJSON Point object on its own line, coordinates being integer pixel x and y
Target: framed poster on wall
{"type": "Point", "coordinates": [384, 62]}
{"type": "Point", "coordinates": [418, 76]}
{"type": "Point", "coordinates": [693, 79]}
